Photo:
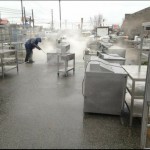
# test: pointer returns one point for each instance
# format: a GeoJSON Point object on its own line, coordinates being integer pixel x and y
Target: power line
{"type": "Point", "coordinates": [41, 10]}
{"type": "Point", "coordinates": [9, 9]}
{"type": "Point", "coordinates": [9, 13]}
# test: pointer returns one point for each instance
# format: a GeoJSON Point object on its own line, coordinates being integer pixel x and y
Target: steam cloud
{"type": "Point", "coordinates": [77, 45]}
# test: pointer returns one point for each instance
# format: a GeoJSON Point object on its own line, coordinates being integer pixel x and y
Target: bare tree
{"type": "Point", "coordinates": [97, 20]}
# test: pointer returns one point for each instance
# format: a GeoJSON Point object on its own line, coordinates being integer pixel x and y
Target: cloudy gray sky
{"type": "Point", "coordinates": [113, 11]}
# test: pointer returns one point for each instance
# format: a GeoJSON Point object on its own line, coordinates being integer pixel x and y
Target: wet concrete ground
{"type": "Point", "coordinates": [40, 110]}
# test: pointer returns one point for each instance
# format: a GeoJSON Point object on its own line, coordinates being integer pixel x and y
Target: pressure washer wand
{"type": "Point", "coordinates": [43, 51]}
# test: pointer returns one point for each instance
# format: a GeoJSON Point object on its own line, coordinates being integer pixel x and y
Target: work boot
{"type": "Point", "coordinates": [26, 62]}
{"type": "Point", "coordinates": [31, 61]}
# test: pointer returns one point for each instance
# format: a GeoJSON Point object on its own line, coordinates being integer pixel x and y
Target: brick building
{"type": "Point", "coordinates": [132, 23]}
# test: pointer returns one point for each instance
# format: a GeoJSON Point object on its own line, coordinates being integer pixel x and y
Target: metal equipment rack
{"type": "Point", "coordinates": [134, 99]}
{"type": "Point", "coordinates": [18, 38]}
{"type": "Point", "coordinates": [19, 48]}
{"type": "Point", "coordinates": [146, 105]}
{"type": "Point", "coordinates": [7, 62]}
{"type": "Point", "coordinates": [137, 74]}
{"type": "Point", "coordinates": [66, 58]}
{"type": "Point", "coordinates": [145, 27]}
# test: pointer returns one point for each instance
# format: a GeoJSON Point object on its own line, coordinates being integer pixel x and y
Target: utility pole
{"type": "Point", "coordinates": [22, 13]}
{"type": "Point", "coordinates": [33, 18]}
{"type": "Point", "coordinates": [30, 21]}
{"type": "Point", "coordinates": [30, 25]}
{"type": "Point", "coordinates": [33, 21]}
{"type": "Point", "coordinates": [52, 24]}
{"type": "Point", "coordinates": [60, 13]}
{"type": "Point", "coordinates": [81, 24]}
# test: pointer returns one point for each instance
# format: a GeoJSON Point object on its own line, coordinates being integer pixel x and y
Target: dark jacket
{"type": "Point", "coordinates": [32, 43]}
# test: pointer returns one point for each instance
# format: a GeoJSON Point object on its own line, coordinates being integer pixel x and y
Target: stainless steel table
{"type": "Point", "coordinates": [136, 77]}
{"type": "Point", "coordinates": [5, 60]}
{"type": "Point", "coordinates": [121, 51]}
{"type": "Point", "coordinates": [66, 58]}
{"type": "Point", "coordinates": [112, 58]}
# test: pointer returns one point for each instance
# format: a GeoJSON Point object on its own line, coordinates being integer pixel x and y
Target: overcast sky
{"type": "Point", "coordinates": [113, 11]}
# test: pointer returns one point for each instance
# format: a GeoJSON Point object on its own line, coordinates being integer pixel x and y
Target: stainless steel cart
{"type": "Point", "coordinates": [66, 58]}
{"type": "Point", "coordinates": [136, 89]}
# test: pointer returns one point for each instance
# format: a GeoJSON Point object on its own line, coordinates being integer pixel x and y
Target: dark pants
{"type": "Point", "coordinates": [29, 54]}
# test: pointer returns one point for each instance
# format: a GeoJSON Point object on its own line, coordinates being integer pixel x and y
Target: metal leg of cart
{"type": "Point", "coordinates": [58, 65]}
{"type": "Point", "coordinates": [74, 65]}
{"type": "Point", "coordinates": [2, 63]}
{"type": "Point", "coordinates": [132, 103]}
{"type": "Point", "coordinates": [145, 125]}
{"type": "Point", "coordinates": [16, 55]}
{"type": "Point", "coordinates": [66, 58]}
{"type": "Point", "coordinates": [66, 66]}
